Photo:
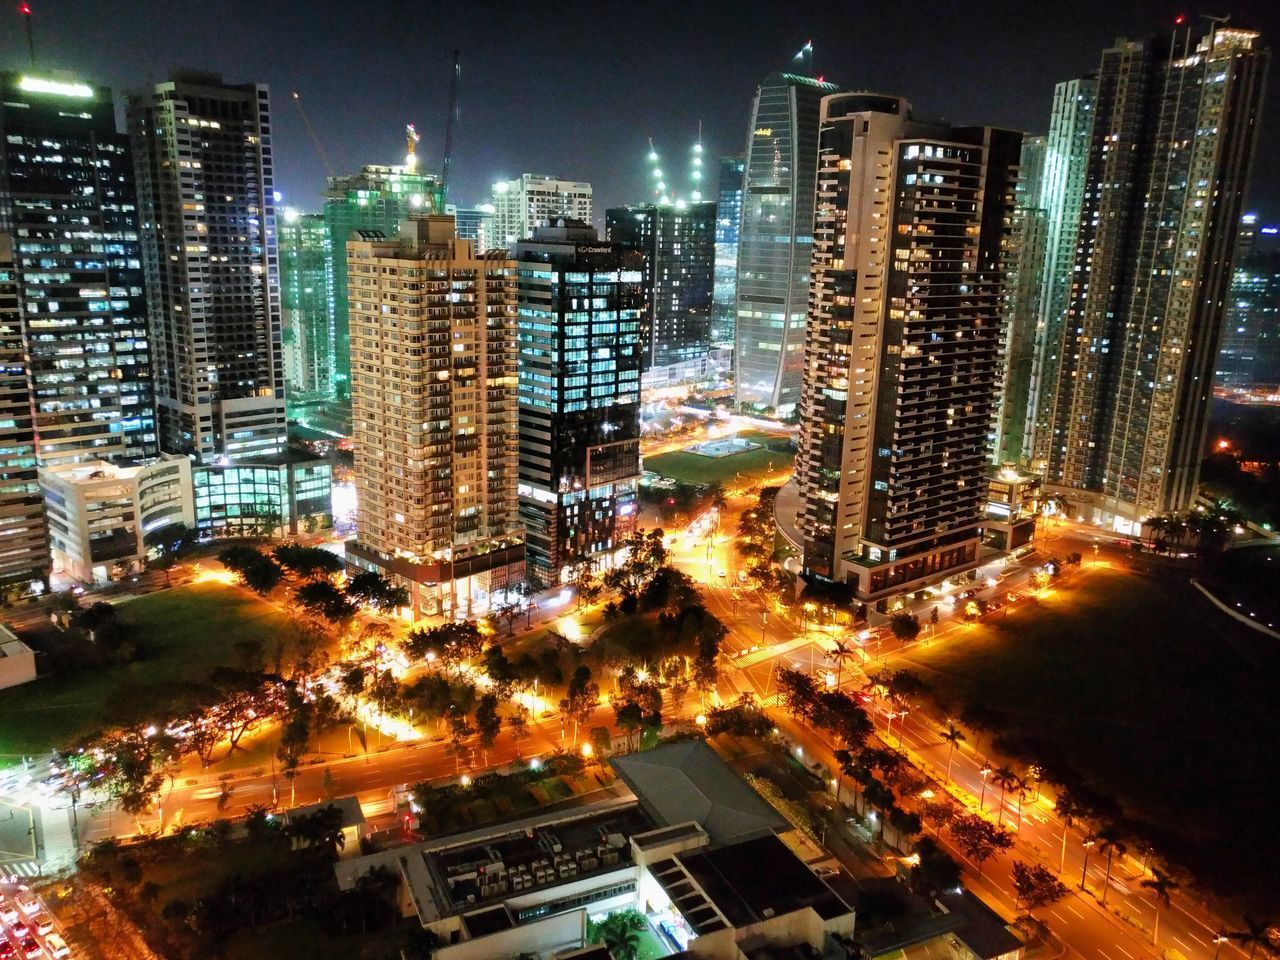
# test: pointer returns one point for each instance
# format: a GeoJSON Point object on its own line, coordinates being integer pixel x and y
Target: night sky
{"type": "Point", "coordinates": [575, 89]}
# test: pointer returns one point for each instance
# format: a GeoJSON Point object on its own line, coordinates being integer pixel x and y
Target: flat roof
{"type": "Point", "coordinates": [686, 780]}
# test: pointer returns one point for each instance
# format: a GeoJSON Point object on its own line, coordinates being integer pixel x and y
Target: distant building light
{"type": "Point", "coordinates": [55, 87]}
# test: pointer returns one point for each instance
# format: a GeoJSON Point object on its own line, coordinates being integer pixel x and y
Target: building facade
{"type": "Point", "coordinates": [434, 415]}
{"type": "Point", "coordinates": [728, 227]}
{"type": "Point", "coordinates": [1171, 145]}
{"type": "Point", "coordinates": [580, 303]}
{"type": "Point", "coordinates": [678, 242]}
{"type": "Point", "coordinates": [1250, 354]}
{"type": "Point", "coordinates": [376, 198]}
{"type": "Point", "coordinates": [776, 241]}
{"type": "Point", "coordinates": [67, 199]}
{"type": "Point", "coordinates": [206, 189]}
{"type": "Point", "coordinates": [903, 349]}
{"type": "Point", "coordinates": [283, 495]}
{"type": "Point", "coordinates": [306, 307]}
{"type": "Point", "coordinates": [476, 224]}
{"type": "Point", "coordinates": [24, 537]}
{"type": "Point", "coordinates": [101, 513]}
{"type": "Point", "coordinates": [536, 200]}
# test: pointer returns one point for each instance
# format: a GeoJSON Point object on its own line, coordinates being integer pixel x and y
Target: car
{"type": "Point", "coordinates": [7, 950]}
{"type": "Point", "coordinates": [827, 872]}
{"type": "Point", "coordinates": [56, 946]}
{"type": "Point", "coordinates": [31, 949]}
{"type": "Point", "coordinates": [28, 903]}
{"type": "Point", "coordinates": [43, 923]}
{"type": "Point", "coordinates": [19, 929]}
{"type": "Point", "coordinates": [8, 912]}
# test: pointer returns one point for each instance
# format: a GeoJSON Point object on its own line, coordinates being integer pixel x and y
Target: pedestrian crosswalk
{"type": "Point", "coordinates": [20, 871]}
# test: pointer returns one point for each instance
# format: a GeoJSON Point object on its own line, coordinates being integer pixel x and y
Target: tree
{"type": "Point", "coordinates": [905, 626]}
{"type": "Point", "coordinates": [171, 542]}
{"type": "Point", "coordinates": [586, 585]}
{"type": "Point", "coordinates": [322, 600]}
{"type": "Point", "coordinates": [953, 736]}
{"type": "Point", "coordinates": [1036, 885]}
{"type": "Point", "coordinates": [580, 698]}
{"type": "Point", "coordinates": [488, 723]}
{"type": "Point", "coordinates": [1005, 779]}
{"type": "Point", "coordinates": [978, 838]}
{"type": "Point", "coordinates": [840, 654]}
{"type": "Point", "coordinates": [295, 731]}
{"type": "Point", "coordinates": [258, 572]}
{"type": "Point", "coordinates": [310, 563]}
{"type": "Point", "coordinates": [620, 932]}
{"type": "Point", "coordinates": [449, 644]}
{"type": "Point", "coordinates": [936, 871]}
{"type": "Point", "coordinates": [1161, 885]}
{"type": "Point", "coordinates": [1070, 808]}
{"type": "Point", "coordinates": [373, 589]}
{"type": "Point", "coordinates": [646, 554]}
{"type": "Point", "coordinates": [1109, 842]}
{"type": "Point", "coordinates": [1257, 933]}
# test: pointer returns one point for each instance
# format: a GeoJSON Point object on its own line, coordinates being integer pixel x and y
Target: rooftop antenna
{"type": "Point", "coordinates": [697, 166]}
{"type": "Point", "coordinates": [659, 184]}
{"type": "Point", "coordinates": [25, 9]}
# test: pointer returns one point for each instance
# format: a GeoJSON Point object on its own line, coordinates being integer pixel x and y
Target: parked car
{"type": "Point", "coordinates": [7, 950]}
{"type": "Point", "coordinates": [56, 946]}
{"type": "Point", "coordinates": [43, 923]}
{"type": "Point", "coordinates": [28, 903]}
{"type": "Point", "coordinates": [8, 912]}
{"type": "Point", "coordinates": [31, 949]}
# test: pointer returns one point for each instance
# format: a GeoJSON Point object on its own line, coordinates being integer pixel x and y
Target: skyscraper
{"type": "Point", "coordinates": [728, 226]}
{"type": "Point", "coordinates": [67, 199]}
{"type": "Point", "coordinates": [24, 536]}
{"type": "Point", "coordinates": [902, 350]}
{"type": "Point", "coordinates": [1022, 305]}
{"type": "Point", "coordinates": [476, 223]}
{"type": "Point", "coordinates": [306, 301]}
{"type": "Point", "coordinates": [434, 415]}
{"type": "Point", "coordinates": [1250, 352]}
{"type": "Point", "coordinates": [1172, 139]}
{"type": "Point", "coordinates": [536, 200]}
{"type": "Point", "coordinates": [376, 198]}
{"type": "Point", "coordinates": [580, 304]}
{"type": "Point", "coordinates": [776, 240]}
{"type": "Point", "coordinates": [206, 193]}
{"type": "Point", "coordinates": [678, 240]}
{"type": "Point", "coordinates": [1062, 188]}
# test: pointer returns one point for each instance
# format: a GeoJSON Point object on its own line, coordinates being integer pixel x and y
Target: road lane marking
{"type": "Point", "coordinates": [1123, 950]}
{"type": "Point", "coordinates": [1074, 910]}
{"type": "Point", "coordinates": [1179, 940]}
{"type": "Point", "coordinates": [1103, 953]}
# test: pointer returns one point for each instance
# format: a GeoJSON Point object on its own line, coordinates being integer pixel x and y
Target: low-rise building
{"type": "Point", "coordinates": [1013, 501]}
{"type": "Point", "coordinates": [264, 496]}
{"type": "Point", "coordinates": [17, 660]}
{"type": "Point", "coordinates": [100, 513]}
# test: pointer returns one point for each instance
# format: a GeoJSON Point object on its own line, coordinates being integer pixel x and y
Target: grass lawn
{"type": "Point", "coordinates": [651, 948]}
{"type": "Point", "coordinates": [1154, 698]}
{"type": "Point", "coordinates": [695, 468]}
{"type": "Point", "coordinates": [185, 633]}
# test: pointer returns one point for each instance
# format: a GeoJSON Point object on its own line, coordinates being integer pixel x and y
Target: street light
{"type": "Point", "coordinates": [1218, 941]}
{"type": "Point", "coordinates": [984, 773]}
{"type": "Point", "coordinates": [700, 719]}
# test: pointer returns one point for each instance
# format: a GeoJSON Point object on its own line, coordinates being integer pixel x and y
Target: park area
{"type": "Point", "coordinates": [768, 453]}
{"type": "Point", "coordinates": [183, 634]}
{"type": "Point", "coordinates": [1145, 692]}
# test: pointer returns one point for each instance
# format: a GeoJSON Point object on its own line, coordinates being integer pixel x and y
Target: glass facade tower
{"type": "Point", "coordinates": [580, 302]}
{"type": "Point", "coordinates": [306, 301]}
{"type": "Point", "coordinates": [776, 240]}
{"type": "Point", "coordinates": [728, 226]}
{"type": "Point", "coordinates": [67, 199]}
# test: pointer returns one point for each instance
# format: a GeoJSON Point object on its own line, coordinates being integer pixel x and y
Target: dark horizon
{"type": "Point", "coordinates": [577, 90]}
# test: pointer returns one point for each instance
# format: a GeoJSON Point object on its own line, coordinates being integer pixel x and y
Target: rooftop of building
{"type": "Point", "coordinates": [96, 471]}
{"type": "Point", "coordinates": [349, 807]}
{"type": "Point", "coordinates": [959, 915]}
{"type": "Point", "coordinates": [743, 883]}
{"type": "Point", "coordinates": [10, 645]}
{"type": "Point", "coordinates": [684, 781]}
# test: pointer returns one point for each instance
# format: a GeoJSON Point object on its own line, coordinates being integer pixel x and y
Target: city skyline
{"type": "Point", "coordinates": [558, 125]}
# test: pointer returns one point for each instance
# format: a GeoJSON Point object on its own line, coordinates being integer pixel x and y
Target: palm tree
{"type": "Point", "coordinates": [620, 932]}
{"type": "Point", "coordinates": [1004, 778]}
{"type": "Point", "coordinates": [953, 736]}
{"type": "Point", "coordinates": [1069, 808]}
{"type": "Point", "coordinates": [1257, 934]}
{"type": "Point", "coordinates": [1089, 842]}
{"type": "Point", "coordinates": [1109, 842]}
{"type": "Point", "coordinates": [1159, 883]}
{"type": "Point", "coordinates": [839, 654]}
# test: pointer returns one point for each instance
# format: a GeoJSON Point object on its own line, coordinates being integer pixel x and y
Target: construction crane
{"type": "Point", "coordinates": [411, 139]}
{"type": "Point", "coordinates": [448, 129]}
{"type": "Point", "coordinates": [311, 132]}
{"type": "Point", "coordinates": [24, 8]}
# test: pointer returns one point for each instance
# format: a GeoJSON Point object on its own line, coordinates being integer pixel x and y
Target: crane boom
{"type": "Point", "coordinates": [448, 129]}
{"type": "Point", "coordinates": [311, 132]}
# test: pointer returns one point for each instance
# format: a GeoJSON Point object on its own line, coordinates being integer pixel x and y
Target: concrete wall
{"type": "Point", "coordinates": [17, 661]}
{"type": "Point", "coordinates": [561, 932]}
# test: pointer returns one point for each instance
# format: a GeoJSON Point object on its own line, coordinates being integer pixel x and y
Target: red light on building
{"type": "Point", "coordinates": [1179, 20]}
{"type": "Point", "coordinates": [25, 9]}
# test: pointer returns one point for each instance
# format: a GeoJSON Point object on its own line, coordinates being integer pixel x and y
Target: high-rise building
{"type": "Point", "coordinates": [24, 537]}
{"type": "Point", "coordinates": [434, 414]}
{"type": "Point", "coordinates": [1250, 352]}
{"type": "Point", "coordinates": [678, 240]}
{"type": "Point", "coordinates": [1174, 125]}
{"type": "Point", "coordinates": [476, 223]}
{"type": "Point", "coordinates": [580, 305]}
{"type": "Point", "coordinates": [1061, 197]}
{"type": "Point", "coordinates": [306, 306]}
{"type": "Point", "coordinates": [902, 351]}
{"type": "Point", "coordinates": [728, 226]}
{"type": "Point", "coordinates": [1022, 305]}
{"type": "Point", "coordinates": [67, 199]}
{"type": "Point", "coordinates": [206, 189]}
{"type": "Point", "coordinates": [536, 200]}
{"type": "Point", "coordinates": [376, 198]}
{"type": "Point", "coordinates": [776, 240]}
